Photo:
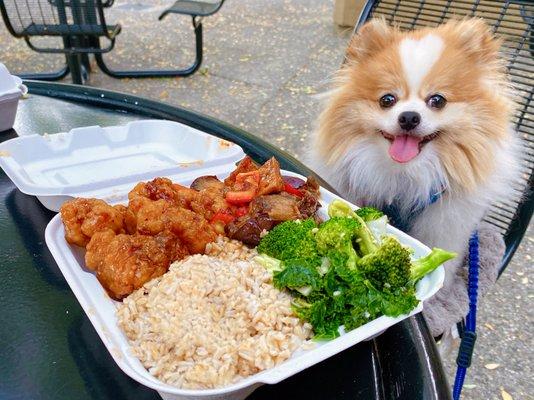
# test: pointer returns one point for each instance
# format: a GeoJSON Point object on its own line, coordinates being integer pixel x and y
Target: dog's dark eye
{"type": "Point", "coordinates": [436, 101]}
{"type": "Point", "coordinates": [388, 100]}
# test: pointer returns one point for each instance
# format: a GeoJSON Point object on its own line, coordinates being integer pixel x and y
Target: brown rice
{"type": "Point", "coordinates": [211, 320]}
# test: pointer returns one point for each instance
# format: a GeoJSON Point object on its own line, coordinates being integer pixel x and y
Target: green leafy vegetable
{"type": "Point", "coordinates": [298, 275]}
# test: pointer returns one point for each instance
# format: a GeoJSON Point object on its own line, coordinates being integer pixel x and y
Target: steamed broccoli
{"type": "Point", "coordinates": [369, 213]}
{"type": "Point", "coordinates": [429, 263]}
{"type": "Point", "coordinates": [390, 267]}
{"type": "Point", "coordinates": [338, 208]}
{"type": "Point", "coordinates": [366, 241]}
{"type": "Point", "coordinates": [335, 237]}
{"type": "Point", "coordinates": [376, 220]}
{"type": "Point", "coordinates": [271, 264]}
{"type": "Point", "coordinates": [290, 240]}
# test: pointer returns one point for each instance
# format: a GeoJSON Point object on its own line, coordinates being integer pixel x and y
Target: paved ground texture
{"type": "Point", "coordinates": [264, 63]}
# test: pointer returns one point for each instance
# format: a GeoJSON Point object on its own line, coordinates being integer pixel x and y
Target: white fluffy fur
{"type": "Point", "coordinates": [418, 57]}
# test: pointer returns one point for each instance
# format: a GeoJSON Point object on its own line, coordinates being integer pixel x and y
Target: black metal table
{"type": "Point", "coordinates": [48, 347]}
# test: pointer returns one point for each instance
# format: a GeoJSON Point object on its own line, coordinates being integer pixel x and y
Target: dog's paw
{"type": "Point", "coordinates": [447, 307]}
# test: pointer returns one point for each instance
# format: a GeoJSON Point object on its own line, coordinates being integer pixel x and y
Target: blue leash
{"type": "Point", "coordinates": [467, 345]}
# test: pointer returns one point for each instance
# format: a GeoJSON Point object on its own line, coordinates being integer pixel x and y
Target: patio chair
{"type": "Point", "coordinates": [197, 10]}
{"type": "Point", "coordinates": [514, 21]}
{"type": "Point", "coordinates": [76, 22]}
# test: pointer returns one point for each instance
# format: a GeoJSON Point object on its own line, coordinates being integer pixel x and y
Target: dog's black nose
{"type": "Point", "coordinates": [409, 120]}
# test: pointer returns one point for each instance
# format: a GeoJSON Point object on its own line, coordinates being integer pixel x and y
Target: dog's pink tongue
{"type": "Point", "coordinates": [404, 148]}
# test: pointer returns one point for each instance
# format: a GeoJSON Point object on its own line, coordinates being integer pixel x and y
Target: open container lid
{"type": "Point", "coordinates": [95, 161]}
{"type": "Point", "coordinates": [11, 86]}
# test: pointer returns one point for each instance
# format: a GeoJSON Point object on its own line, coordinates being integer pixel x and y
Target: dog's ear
{"type": "Point", "coordinates": [370, 38]}
{"type": "Point", "coordinates": [475, 37]}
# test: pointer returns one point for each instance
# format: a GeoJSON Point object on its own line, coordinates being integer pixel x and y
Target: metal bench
{"type": "Point", "coordinates": [514, 21]}
{"type": "Point", "coordinates": [79, 23]}
{"type": "Point", "coordinates": [197, 10]}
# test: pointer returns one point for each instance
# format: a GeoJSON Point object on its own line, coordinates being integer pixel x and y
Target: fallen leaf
{"type": "Point", "coordinates": [164, 95]}
{"type": "Point", "coordinates": [505, 395]}
{"type": "Point", "coordinates": [468, 386]}
{"type": "Point", "coordinates": [489, 326]}
{"type": "Point", "coordinates": [524, 280]}
{"type": "Point", "coordinates": [492, 366]}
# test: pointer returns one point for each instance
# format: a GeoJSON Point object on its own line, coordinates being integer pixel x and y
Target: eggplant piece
{"type": "Point", "coordinates": [207, 182]}
{"type": "Point", "coordinates": [312, 186]}
{"type": "Point", "coordinates": [248, 229]}
{"type": "Point", "coordinates": [293, 181]}
{"type": "Point", "coordinates": [308, 205]}
{"type": "Point", "coordinates": [279, 207]}
{"type": "Point", "coordinates": [265, 212]}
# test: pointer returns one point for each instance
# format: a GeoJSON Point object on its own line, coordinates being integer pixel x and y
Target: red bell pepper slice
{"type": "Point", "coordinates": [223, 217]}
{"type": "Point", "coordinates": [291, 190]}
{"type": "Point", "coordinates": [241, 211]}
{"type": "Point", "coordinates": [240, 198]}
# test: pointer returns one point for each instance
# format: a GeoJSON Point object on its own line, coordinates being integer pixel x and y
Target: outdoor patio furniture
{"type": "Point", "coordinates": [51, 349]}
{"type": "Point", "coordinates": [514, 21]}
{"type": "Point", "coordinates": [79, 23]}
{"type": "Point", "coordinates": [197, 10]}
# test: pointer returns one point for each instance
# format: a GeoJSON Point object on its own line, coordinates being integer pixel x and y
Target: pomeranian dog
{"type": "Point", "coordinates": [418, 124]}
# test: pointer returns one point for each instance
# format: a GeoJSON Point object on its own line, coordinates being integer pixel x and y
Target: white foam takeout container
{"type": "Point", "coordinates": [11, 90]}
{"type": "Point", "coordinates": [100, 309]}
{"type": "Point", "coordinates": [106, 163]}
{"type": "Point", "coordinates": [100, 162]}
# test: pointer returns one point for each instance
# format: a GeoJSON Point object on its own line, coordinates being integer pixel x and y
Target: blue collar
{"type": "Point", "coordinates": [404, 221]}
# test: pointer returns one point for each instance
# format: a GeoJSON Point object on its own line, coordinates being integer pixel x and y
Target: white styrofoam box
{"type": "Point", "coordinates": [11, 90]}
{"type": "Point", "coordinates": [98, 162]}
{"type": "Point", "coordinates": [100, 309]}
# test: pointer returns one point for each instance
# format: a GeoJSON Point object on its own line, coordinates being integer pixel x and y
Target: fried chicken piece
{"type": "Point", "coordinates": [193, 229]}
{"type": "Point", "coordinates": [210, 199]}
{"type": "Point", "coordinates": [129, 220]}
{"type": "Point", "coordinates": [124, 263]}
{"type": "Point", "coordinates": [82, 218]}
{"type": "Point", "coordinates": [163, 189]}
